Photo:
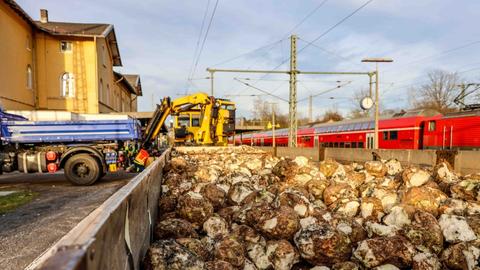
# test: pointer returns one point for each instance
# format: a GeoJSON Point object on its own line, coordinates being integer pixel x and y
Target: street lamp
{"type": "Point", "coordinates": [376, 61]}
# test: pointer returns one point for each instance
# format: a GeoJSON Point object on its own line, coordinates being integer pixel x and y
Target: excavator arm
{"type": "Point", "coordinates": [215, 122]}
{"type": "Point", "coordinates": [175, 107]}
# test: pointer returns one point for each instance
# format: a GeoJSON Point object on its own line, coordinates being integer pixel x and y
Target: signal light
{"type": "Point", "coordinates": [51, 156]}
{"type": "Point", "coordinates": [52, 167]}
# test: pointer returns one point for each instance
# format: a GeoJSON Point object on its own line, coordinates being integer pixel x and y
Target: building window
{"type": "Point", "coordinates": [104, 57]}
{"type": "Point", "coordinates": [432, 125]}
{"type": "Point", "coordinates": [29, 77]}
{"type": "Point", "coordinates": [68, 85]}
{"type": "Point", "coordinates": [28, 43]}
{"type": "Point", "coordinates": [101, 93]}
{"type": "Point", "coordinates": [65, 46]}
{"type": "Point", "coordinates": [107, 100]}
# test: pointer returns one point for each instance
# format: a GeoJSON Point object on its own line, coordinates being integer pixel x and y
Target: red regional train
{"type": "Point", "coordinates": [423, 129]}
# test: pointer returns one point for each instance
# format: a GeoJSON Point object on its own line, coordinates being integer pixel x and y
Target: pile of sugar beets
{"type": "Point", "coordinates": [240, 208]}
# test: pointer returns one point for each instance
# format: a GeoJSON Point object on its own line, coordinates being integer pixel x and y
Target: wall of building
{"type": "Point", "coordinates": [106, 86]}
{"type": "Point", "coordinates": [16, 54]}
{"type": "Point", "coordinates": [52, 63]}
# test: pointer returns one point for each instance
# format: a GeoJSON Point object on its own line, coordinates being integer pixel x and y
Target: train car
{"type": "Point", "coordinates": [402, 131]}
{"type": "Point", "coordinates": [460, 130]}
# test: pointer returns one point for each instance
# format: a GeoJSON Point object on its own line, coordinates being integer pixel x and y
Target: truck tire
{"type": "Point", "coordinates": [82, 170]}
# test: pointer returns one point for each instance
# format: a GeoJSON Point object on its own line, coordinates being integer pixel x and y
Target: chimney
{"type": "Point", "coordinates": [43, 16]}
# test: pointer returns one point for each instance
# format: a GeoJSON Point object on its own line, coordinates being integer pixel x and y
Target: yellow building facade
{"type": "Point", "coordinates": [60, 66]}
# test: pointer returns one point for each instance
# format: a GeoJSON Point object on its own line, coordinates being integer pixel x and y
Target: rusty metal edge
{"type": "Point", "coordinates": [71, 250]}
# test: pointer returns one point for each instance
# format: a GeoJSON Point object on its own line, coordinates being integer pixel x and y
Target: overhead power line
{"type": "Point", "coordinates": [326, 32]}
{"type": "Point", "coordinates": [190, 75]}
{"type": "Point", "coordinates": [325, 91]}
{"type": "Point", "coordinates": [463, 46]}
{"type": "Point", "coordinates": [336, 25]}
{"type": "Point", "coordinates": [261, 90]}
{"type": "Point", "coordinates": [307, 16]}
{"type": "Point", "coordinates": [248, 53]}
{"type": "Point", "coordinates": [334, 54]}
{"type": "Point", "coordinates": [205, 38]}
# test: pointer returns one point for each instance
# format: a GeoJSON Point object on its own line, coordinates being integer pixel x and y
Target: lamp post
{"type": "Point", "coordinates": [376, 61]}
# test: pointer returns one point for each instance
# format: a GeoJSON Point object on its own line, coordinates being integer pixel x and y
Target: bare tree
{"type": "Point", "coordinates": [262, 111]}
{"type": "Point", "coordinates": [358, 112]}
{"type": "Point", "coordinates": [438, 93]}
{"type": "Point", "coordinates": [329, 116]}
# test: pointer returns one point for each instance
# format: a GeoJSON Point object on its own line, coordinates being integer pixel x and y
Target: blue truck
{"type": "Point", "coordinates": [86, 149]}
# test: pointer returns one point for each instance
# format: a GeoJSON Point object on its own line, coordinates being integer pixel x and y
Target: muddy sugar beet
{"type": "Point", "coordinates": [240, 208]}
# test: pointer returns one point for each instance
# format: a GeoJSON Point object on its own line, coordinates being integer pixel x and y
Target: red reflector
{"type": "Point", "coordinates": [52, 167]}
{"type": "Point", "coordinates": [51, 156]}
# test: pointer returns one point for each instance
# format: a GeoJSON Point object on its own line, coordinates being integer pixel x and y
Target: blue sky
{"type": "Point", "coordinates": [157, 40]}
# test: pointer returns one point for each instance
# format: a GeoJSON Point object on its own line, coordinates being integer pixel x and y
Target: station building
{"type": "Point", "coordinates": [63, 66]}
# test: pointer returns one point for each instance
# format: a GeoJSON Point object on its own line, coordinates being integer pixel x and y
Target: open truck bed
{"type": "Point", "coordinates": [69, 131]}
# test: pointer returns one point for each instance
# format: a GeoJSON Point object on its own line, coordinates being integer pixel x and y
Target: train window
{"type": "Point", "coordinates": [432, 125]}
{"type": "Point", "coordinates": [393, 135]}
{"type": "Point", "coordinates": [306, 139]}
{"type": "Point", "coordinates": [342, 145]}
{"type": "Point", "coordinates": [360, 145]}
{"type": "Point", "coordinates": [354, 144]}
{"type": "Point", "coordinates": [385, 135]}
{"type": "Point", "coordinates": [335, 145]}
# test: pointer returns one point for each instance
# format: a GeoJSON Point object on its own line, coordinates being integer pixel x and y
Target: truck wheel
{"type": "Point", "coordinates": [82, 170]}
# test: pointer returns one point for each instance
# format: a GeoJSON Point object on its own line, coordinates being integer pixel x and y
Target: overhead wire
{"type": "Point", "coordinates": [261, 90]}
{"type": "Point", "coordinates": [307, 16]}
{"type": "Point", "coordinates": [326, 32]}
{"type": "Point", "coordinates": [334, 54]}
{"type": "Point", "coordinates": [248, 53]}
{"type": "Point", "coordinates": [190, 75]}
{"type": "Point", "coordinates": [205, 37]}
{"type": "Point", "coordinates": [298, 25]}
{"type": "Point", "coordinates": [325, 91]}
{"type": "Point", "coordinates": [433, 56]}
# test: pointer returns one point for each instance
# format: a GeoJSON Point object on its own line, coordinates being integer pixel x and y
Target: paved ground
{"type": "Point", "coordinates": [32, 228]}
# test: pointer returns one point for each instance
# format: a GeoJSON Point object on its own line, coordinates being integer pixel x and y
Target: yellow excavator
{"type": "Point", "coordinates": [199, 119]}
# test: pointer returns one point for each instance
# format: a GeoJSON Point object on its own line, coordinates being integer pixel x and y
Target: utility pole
{"type": "Point", "coordinates": [370, 84]}
{"type": "Point", "coordinates": [292, 112]}
{"type": "Point", "coordinates": [274, 144]}
{"type": "Point", "coordinates": [310, 108]}
{"type": "Point", "coordinates": [211, 83]}
{"type": "Point", "coordinates": [377, 105]}
{"type": "Point", "coordinates": [293, 72]}
{"type": "Point", "coordinates": [377, 108]}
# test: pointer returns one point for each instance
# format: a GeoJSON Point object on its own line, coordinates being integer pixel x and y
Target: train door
{"type": "Point", "coordinates": [420, 136]}
{"type": "Point", "coordinates": [315, 141]}
{"type": "Point", "coordinates": [262, 142]}
{"type": "Point", "coordinates": [369, 142]}
{"type": "Point", "coordinates": [447, 137]}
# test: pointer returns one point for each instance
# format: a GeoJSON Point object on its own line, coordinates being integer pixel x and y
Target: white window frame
{"type": "Point", "coordinates": [68, 50]}
{"type": "Point", "coordinates": [67, 85]}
